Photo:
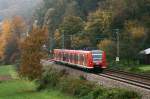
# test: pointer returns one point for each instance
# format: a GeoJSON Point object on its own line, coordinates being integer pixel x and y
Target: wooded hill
{"type": "Point", "coordinates": [94, 23]}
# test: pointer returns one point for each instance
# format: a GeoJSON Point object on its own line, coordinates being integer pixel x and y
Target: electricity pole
{"type": "Point", "coordinates": [63, 40]}
{"type": "Point", "coordinates": [117, 34]}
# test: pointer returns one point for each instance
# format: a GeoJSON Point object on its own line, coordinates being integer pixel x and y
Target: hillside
{"type": "Point", "coordinates": [94, 23]}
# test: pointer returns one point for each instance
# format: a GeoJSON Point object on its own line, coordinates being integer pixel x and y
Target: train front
{"type": "Point", "coordinates": [99, 59]}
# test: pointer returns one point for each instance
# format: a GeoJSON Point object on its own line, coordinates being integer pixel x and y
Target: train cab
{"type": "Point", "coordinates": [99, 58]}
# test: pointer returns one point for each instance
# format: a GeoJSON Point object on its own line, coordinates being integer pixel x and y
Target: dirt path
{"type": "Point", "coordinates": [5, 78]}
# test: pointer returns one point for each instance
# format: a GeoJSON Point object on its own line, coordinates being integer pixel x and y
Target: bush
{"type": "Point", "coordinates": [81, 88]}
{"type": "Point", "coordinates": [75, 87]}
{"type": "Point", "coordinates": [50, 78]}
{"type": "Point", "coordinates": [95, 93]}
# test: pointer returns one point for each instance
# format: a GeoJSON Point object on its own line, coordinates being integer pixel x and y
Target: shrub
{"type": "Point", "coordinates": [50, 78]}
{"type": "Point", "coordinates": [95, 93]}
{"type": "Point", "coordinates": [75, 87]}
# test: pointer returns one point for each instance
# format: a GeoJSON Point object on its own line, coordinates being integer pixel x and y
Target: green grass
{"type": "Point", "coordinates": [144, 68]}
{"type": "Point", "coordinates": [6, 70]}
{"type": "Point", "coordinates": [132, 68]}
{"type": "Point", "coordinates": [21, 89]}
{"type": "Point", "coordinates": [24, 89]}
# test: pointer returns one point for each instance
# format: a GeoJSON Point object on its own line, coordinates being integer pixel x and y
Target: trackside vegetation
{"type": "Point", "coordinates": [135, 68]}
{"type": "Point", "coordinates": [81, 88]}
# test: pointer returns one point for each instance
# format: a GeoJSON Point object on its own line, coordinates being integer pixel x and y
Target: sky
{"type": "Point", "coordinates": [9, 8]}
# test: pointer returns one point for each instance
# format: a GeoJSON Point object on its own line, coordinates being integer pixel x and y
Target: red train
{"type": "Point", "coordinates": [80, 58]}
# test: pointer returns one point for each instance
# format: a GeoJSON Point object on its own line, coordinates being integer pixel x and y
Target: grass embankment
{"type": "Point", "coordinates": [23, 89]}
{"type": "Point", "coordinates": [131, 67]}
{"type": "Point", "coordinates": [135, 69]}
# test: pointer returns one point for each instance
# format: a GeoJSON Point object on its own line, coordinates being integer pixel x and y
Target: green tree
{"type": "Point", "coordinates": [132, 40]}
{"type": "Point", "coordinates": [98, 23]}
{"type": "Point", "coordinates": [71, 25]}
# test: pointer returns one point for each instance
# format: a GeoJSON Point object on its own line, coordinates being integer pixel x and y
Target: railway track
{"type": "Point", "coordinates": [127, 77]}
{"type": "Point", "coordinates": [142, 81]}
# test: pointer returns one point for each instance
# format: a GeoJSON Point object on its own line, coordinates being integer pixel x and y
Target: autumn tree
{"type": "Point", "coordinates": [81, 41]}
{"type": "Point", "coordinates": [19, 26]}
{"type": "Point", "coordinates": [32, 52]}
{"type": "Point", "coordinates": [109, 46]}
{"type": "Point", "coordinates": [132, 40]}
{"type": "Point", "coordinates": [58, 39]}
{"type": "Point", "coordinates": [5, 37]}
{"type": "Point", "coordinates": [98, 24]}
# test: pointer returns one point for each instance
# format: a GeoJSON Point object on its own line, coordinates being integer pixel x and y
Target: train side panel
{"type": "Point", "coordinates": [82, 59]}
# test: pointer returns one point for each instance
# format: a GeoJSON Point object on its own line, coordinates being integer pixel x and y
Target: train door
{"type": "Point", "coordinates": [78, 59]}
{"type": "Point", "coordinates": [85, 59]}
{"type": "Point", "coordinates": [71, 57]}
{"type": "Point", "coordinates": [89, 60]}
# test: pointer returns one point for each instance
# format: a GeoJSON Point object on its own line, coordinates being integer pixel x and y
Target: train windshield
{"type": "Point", "coordinates": [97, 55]}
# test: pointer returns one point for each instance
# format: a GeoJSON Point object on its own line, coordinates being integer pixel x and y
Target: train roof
{"type": "Point", "coordinates": [83, 51]}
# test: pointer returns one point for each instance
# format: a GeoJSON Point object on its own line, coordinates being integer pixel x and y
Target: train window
{"type": "Point", "coordinates": [97, 55]}
{"type": "Point", "coordinates": [85, 60]}
{"type": "Point", "coordinates": [62, 54]}
{"type": "Point", "coordinates": [76, 58]}
{"type": "Point", "coordinates": [55, 55]}
{"type": "Point", "coordinates": [64, 57]}
{"type": "Point", "coordinates": [71, 57]}
{"type": "Point", "coordinates": [67, 57]}
{"type": "Point", "coordinates": [59, 55]}
{"type": "Point", "coordinates": [81, 59]}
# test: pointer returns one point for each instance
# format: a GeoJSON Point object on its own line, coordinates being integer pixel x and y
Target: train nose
{"type": "Point", "coordinates": [98, 63]}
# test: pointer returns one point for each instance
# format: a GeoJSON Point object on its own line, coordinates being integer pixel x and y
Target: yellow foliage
{"type": "Point", "coordinates": [6, 29]}
{"type": "Point", "coordinates": [100, 18]}
{"type": "Point", "coordinates": [5, 36]}
{"type": "Point", "coordinates": [108, 46]}
{"type": "Point", "coordinates": [137, 31]}
{"type": "Point", "coordinates": [104, 44]}
{"type": "Point", "coordinates": [57, 37]}
{"type": "Point", "coordinates": [80, 41]}
{"type": "Point", "coordinates": [19, 26]}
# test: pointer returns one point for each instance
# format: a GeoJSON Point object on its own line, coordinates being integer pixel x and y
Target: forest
{"type": "Point", "coordinates": [96, 24]}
